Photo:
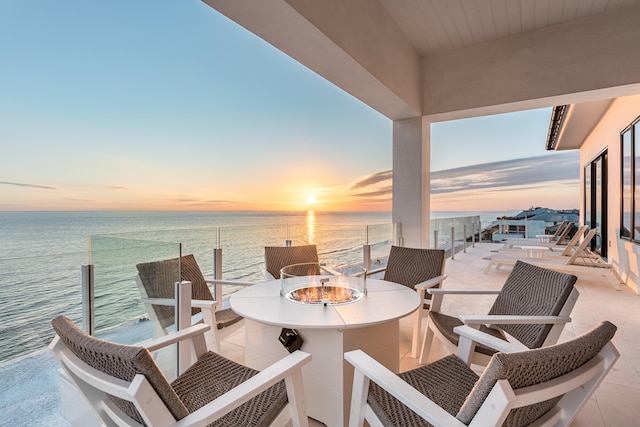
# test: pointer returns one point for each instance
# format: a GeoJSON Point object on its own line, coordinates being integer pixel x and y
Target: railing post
{"type": "Point", "coordinates": [366, 250]}
{"type": "Point", "coordinates": [435, 239]}
{"type": "Point", "coordinates": [473, 234]}
{"type": "Point", "coordinates": [88, 298]}
{"type": "Point", "coordinates": [287, 242]}
{"type": "Point", "coordinates": [453, 243]}
{"type": "Point", "coordinates": [464, 238]}
{"type": "Point", "coordinates": [217, 270]}
{"type": "Point", "coordinates": [397, 231]}
{"type": "Point", "coordinates": [183, 320]}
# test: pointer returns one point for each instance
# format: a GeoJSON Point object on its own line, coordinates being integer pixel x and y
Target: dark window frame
{"type": "Point", "coordinates": [634, 184]}
{"type": "Point", "coordinates": [595, 190]}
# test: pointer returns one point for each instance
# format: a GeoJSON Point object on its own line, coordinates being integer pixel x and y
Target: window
{"type": "Point", "coordinates": [595, 201]}
{"type": "Point", "coordinates": [630, 162]}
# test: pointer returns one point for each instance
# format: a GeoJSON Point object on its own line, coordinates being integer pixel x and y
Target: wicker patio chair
{"type": "Point", "coordinates": [124, 385]}
{"type": "Point", "coordinates": [156, 283]}
{"type": "Point", "coordinates": [530, 311]}
{"type": "Point", "coordinates": [417, 269]}
{"type": "Point", "coordinates": [542, 387]}
{"type": "Point", "coordinates": [278, 257]}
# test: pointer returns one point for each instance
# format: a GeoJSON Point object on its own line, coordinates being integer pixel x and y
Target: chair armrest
{"type": "Point", "coordinates": [437, 295]}
{"type": "Point", "coordinates": [174, 337]}
{"type": "Point", "coordinates": [329, 270]}
{"type": "Point", "coordinates": [228, 282]}
{"type": "Point", "coordinates": [158, 301]}
{"type": "Point", "coordinates": [267, 276]}
{"type": "Point", "coordinates": [464, 291]}
{"type": "Point", "coordinates": [468, 334]}
{"type": "Point", "coordinates": [377, 270]}
{"type": "Point", "coordinates": [431, 282]}
{"type": "Point", "coordinates": [171, 302]}
{"type": "Point", "coordinates": [512, 320]}
{"type": "Point", "coordinates": [240, 394]}
{"type": "Point", "coordinates": [409, 396]}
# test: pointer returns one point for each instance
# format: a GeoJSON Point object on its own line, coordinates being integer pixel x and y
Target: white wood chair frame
{"type": "Point", "coordinates": [474, 321]}
{"type": "Point", "coordinates": [421, 312]}
{"type": "Point", "coordinates": [577, 386]}
{"type": "Point", "coordinates": [207, 315]}
{"type": "Point", "coordinates": [559, 241]}
{"type": "Point", "coordinates": [550, 250]}
{"type": "Point", "coordinates": [94, 386]}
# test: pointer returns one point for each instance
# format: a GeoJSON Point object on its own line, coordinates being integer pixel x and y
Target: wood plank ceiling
{"type": "Point", "coordinates": [438, 25]}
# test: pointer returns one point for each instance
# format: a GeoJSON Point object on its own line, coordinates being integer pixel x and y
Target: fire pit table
{"type": "Point", "coordinates": [366, 318]}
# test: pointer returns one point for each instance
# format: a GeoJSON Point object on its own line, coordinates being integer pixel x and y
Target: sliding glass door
{"type": "Point", "coordinates": [595, 201]}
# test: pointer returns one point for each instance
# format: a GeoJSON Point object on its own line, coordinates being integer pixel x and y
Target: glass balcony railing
{"type": "Point", "coordinates": [33, 290]}
{"type": "Point", "coordinates": [455, 233]}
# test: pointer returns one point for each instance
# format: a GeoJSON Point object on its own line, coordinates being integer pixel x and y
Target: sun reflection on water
{"type": "Point", "coordinates": [310, 223]}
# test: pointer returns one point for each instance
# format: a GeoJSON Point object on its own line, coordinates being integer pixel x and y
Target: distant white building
{"type": "Point", "coordinates": [532, 222]}
{"type": "Point", "coordinates": [607, 133]}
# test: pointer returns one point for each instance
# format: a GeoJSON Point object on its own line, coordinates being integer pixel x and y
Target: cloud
{"type": "Point", "coordinates": [385, 191]}
{"type": "Point", "coordinates": [531, 172]}
{"type": "Point", "coordinates": [18, 184]}
{"type": "Point", "coordinates": [372, 179]}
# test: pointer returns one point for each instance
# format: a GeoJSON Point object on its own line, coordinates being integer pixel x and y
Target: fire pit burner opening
{"type": "Point", "coordinates": [306, 284]}
{"type": "Point", "coordinates": [328, 295]}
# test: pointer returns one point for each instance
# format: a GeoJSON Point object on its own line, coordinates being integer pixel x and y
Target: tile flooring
{"type": "Point", "coordinates": [615, 403]}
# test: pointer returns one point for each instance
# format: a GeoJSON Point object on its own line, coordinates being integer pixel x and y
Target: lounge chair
{"type": "Point", "coordinates": [278, 257]}
{"type": "Point", "coordinates": [156, 283]}
{"type": "Point", "coordinates": [561, 240]}
{"type": "Point", "coordinates": [124, 386]}
{"type": "Point", "coordinates": [550, 251]}
{"type": "Point", "coordinates": [542, 387]}
{"type": "Point", "coordinates": [582, 260]}
{"type": "Point", "coordinates": [529, 311]}
{"type": "Point", "coordinates": [418, 269]}
{"type": "Point", "coordinates": [553, 237]}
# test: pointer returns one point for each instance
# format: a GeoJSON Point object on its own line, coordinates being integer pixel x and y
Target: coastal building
{"type": "Point", "coordinates": [607, 133]}
{"type": "Point", "coordinates": [531, 223]}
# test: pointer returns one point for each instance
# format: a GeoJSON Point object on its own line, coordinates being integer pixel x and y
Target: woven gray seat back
{"type": "Point", "coordinates": [532, 291]}
{"type": "Point", "coordinates": [410, 266]}
{"type": "Point", "coordinates": [277, 257]}
{"type": "Point", "coordinates": [119, 361]}
{"type": "Point", "coordinates": [159, 278]}
{"type": "Point", "coordinates": [527, 368]}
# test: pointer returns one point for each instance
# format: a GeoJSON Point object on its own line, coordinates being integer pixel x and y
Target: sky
{"type": "Point", "coordinates": [166, 105]}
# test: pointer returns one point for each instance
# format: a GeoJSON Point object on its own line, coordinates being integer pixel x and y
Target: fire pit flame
{"type": "Point", "coordinates": [323, 294]}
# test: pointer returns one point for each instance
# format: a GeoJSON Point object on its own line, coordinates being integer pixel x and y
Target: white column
{"type": "Point", "coordinates": [411, 180]}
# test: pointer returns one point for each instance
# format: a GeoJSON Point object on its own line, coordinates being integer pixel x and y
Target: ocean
{"type": "Point", "coordinates": [41, 254]}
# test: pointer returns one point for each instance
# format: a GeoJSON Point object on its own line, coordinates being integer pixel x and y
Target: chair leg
{"type": "Point", "coordinates": [426, 344]}
{"type": "Point", "coordinates": [417, 323]}
{"type": "Point", "coordinates": [488, 267]}
{"type": "Point", "coordinates": [295, 393]}
{"type": "Point", "coordinates": [358, 399]}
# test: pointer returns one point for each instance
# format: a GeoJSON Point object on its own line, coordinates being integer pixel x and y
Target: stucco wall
{"type": "Point", "coordinates": [624, 255]}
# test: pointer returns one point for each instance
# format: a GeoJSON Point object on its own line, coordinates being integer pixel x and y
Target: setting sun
{"type": "Point", "coordinates": [311, 199]}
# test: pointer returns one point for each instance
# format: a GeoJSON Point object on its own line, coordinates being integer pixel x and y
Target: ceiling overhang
{"type": "Point", "coordinates": [577, 123]}
{"type": "Point", "coordinates": [449, 60]}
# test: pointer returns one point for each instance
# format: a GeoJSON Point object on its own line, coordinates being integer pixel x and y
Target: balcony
{"type": "Point", "coordinates": [29, 378]}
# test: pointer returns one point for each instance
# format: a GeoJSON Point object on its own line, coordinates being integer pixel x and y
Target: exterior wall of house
{"type": "Point", "coordinates": [623, 254]}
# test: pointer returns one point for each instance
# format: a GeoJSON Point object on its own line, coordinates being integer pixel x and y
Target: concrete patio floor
{"type": "Point", "coordinates": [615, 403]}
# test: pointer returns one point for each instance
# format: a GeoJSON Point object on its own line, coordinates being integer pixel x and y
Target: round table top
{"type": "Point", "coordinates": [385, 301]}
